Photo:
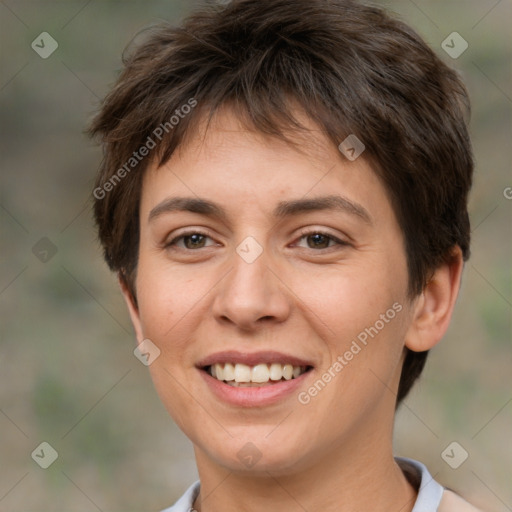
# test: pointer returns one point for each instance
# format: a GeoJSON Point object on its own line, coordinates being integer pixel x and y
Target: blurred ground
{"type": "Point", "coordinates": [67, 372]}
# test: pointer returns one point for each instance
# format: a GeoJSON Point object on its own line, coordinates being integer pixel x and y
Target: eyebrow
{"type": "Point", "coordinates": [282, 210]}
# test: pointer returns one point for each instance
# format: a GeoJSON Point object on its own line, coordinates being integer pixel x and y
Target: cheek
{"type": "Point", "coordinates": [166, 298]}
{"type": "Point", "coordinates": [342, 302]}
{"type": "Point", "coordinates": [167, 304]}
{"type": "Point", "coordinates": [360, 316]}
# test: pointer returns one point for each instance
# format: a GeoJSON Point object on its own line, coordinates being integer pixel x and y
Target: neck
{"type": "Point", "coordinates": [360, 475]}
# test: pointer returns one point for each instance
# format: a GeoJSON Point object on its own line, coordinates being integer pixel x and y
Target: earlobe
{"type": "Point", "coordinates": [132, 308]}
{"type": "Point", "coordinates": [434, 307]}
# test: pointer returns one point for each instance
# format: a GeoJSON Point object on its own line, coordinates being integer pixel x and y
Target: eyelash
{"type": "Point", "coordinates": [303, 234]}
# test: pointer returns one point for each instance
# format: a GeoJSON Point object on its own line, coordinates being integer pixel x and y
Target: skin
{"type": "Point", "coordinates": [296, 298]}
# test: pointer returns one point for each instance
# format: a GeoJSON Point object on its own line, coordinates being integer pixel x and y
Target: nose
{"type": "Point", "coordinates": [252, 295]}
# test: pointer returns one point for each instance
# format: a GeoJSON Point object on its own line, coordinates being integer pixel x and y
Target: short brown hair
{"type": "Point", "coordinates": [352, 68]}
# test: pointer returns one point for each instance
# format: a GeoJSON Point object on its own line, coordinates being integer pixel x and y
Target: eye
{"type": "Point", "coordinates": [191, 240]}
{"type": "Point", "coordinates": [320, 240]}
{"type": "Point", "coordinates": [315, 239]}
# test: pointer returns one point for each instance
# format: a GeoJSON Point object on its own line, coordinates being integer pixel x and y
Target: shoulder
{"type": "Point", "coordinates": [452, 502]}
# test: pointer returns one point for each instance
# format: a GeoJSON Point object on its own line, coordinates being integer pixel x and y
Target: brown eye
{"type": "Point", "coordinates": [320, 240]}
{"type": "Point", "coordinates": [194, 241]}
{"type": "Point", "coordinates": [191, 240]}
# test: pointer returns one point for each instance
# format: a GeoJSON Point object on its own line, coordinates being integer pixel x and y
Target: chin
{"type": "Point", "coordinates": [258, 455]}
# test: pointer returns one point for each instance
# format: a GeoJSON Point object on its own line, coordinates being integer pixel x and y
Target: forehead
{"type": "Point", "coordinates": [227, 167]}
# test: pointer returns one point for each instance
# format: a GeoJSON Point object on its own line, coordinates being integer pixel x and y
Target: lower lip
{"type": "Point", "coordinates": [253, 396]}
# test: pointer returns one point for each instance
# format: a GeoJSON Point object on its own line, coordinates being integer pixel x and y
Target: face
{"type": "Point", "coordinates": [276, 296]}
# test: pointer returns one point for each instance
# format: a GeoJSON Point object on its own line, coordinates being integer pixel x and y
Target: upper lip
{"type": "Point", "coordinates": [252, 359]}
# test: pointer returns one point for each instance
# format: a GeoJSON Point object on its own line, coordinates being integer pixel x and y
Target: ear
{"type": "Point", "coordinates": [132, 308]}
{"type": "Point", "coordinates": [434, 307]}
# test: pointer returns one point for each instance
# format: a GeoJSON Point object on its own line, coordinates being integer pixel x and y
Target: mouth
{"type": "Point", "coordinates": [257, 379]}
{"type": "Point", "coordinates": [259, 375]}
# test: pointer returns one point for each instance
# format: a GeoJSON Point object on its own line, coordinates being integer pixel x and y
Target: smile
{"type": "Point", "coordinates": [254, 379]}
{"type": "Point", "coordinates": [243, 375]}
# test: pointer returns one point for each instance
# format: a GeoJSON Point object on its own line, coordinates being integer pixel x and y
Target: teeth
{"type": "Point", "coordinates": [276, 371]}
{"type": "Point", "coordinates": [219, 371]}
{"type": "Point", "coordinates": [287, 371]}
{"type": "Point", "coordinates": [243, 375]}
{"type": "Point", "coordinates": [229, 372]}
{"type": "Point", "coordinates": [260, 373]}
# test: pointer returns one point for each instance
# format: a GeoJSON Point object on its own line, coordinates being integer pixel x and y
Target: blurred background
{"type": "Point", "coordinates": [68, 375]}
